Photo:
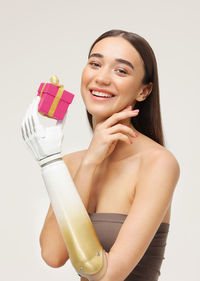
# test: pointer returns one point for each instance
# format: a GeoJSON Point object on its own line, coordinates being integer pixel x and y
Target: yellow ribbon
{"type": "Point", "coordinates": [42, 89]}
{"type": "Point", "coordinates": [54, 80]}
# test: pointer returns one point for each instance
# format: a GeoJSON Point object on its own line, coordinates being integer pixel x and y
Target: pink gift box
{"type": "Point", "coordinates": [54, 100]}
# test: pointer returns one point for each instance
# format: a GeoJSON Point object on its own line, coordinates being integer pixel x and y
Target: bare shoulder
{"type": "Point", "coordinates": [165, 157]}
{"type": "Point", "coordinates": [161, 159]}
{"type": "Point", "coordinates": [73, 160]}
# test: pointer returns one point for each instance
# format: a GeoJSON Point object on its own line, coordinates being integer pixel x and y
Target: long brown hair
{"type": "Point", "coordinates": [148, 121]}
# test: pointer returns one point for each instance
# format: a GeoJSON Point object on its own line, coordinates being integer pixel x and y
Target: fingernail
{"type": "Point", "coordinates": [131, 142]}
{"type": "Point", "coordinates": [136, 110]}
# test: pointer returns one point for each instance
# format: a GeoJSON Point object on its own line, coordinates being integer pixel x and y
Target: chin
{"type": "Point", "coordinates": [99, 114]}
{"type": "Point", "coordinates": [98, 110]}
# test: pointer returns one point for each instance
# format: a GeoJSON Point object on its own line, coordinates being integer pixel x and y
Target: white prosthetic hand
{"type": "Point", "coordinates": [85, 251]}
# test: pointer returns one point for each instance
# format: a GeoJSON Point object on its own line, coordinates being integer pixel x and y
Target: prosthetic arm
{"type": "Point", "coordinates": [85, 251]}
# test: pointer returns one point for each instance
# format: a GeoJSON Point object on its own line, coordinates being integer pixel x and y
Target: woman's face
{"type": "Point", "coordinates": [115, 67]}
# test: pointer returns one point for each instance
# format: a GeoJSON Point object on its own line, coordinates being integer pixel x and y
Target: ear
{"type": "Point", "coordinates": [144, 91]}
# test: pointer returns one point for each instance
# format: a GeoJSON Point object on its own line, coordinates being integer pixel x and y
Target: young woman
{"type": "Point", "coordinates": [126, 177]}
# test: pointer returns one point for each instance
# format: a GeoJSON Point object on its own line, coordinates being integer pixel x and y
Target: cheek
{"type": "Point", "coordinates": [127, 86]}
{"type": "Point", "coordinates": [86, 76]}
{"type": "Point", "coordinates": [83, 76]}
{"type": "Point", "coordinates": [135, 84]}
{"type": "Point", "coordinates": [129, 90]}
{"type": "Point", "coordinates": [85, 81]}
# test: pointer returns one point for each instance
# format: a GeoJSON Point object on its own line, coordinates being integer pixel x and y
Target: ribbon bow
{"type": "Point", "coordinates": [54, 80]}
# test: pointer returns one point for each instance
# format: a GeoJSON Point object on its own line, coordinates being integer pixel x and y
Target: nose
{"type": "Point", "coordinates": [103, 77]}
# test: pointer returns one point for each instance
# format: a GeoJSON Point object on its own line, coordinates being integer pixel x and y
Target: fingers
{"type": "Point", "coordinates": [25, 127]}
{"type": "Point", "coordinates": [123, 129]}
{"type": "Point", "coordinates": [31, 123]}
{"type": "Point", "coordinates": [23, 133]}
{"type": "Point", "coordinates": [34, 115]}
{"type": "Point", "coordinates": [116, 117]}
{"type": "Point", "coordinates": [34, 120]}
{"type": "Point", "coordinates": [120, 136]}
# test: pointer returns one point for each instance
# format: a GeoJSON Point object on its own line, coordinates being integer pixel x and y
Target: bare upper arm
{"type": "Point", "coordinates": [153, 195]}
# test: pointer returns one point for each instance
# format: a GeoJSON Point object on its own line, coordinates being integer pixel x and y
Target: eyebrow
{"type": "Point", "coordinates": [117, 59]}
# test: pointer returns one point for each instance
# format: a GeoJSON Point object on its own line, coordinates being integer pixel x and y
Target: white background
{"type": "Point", "coordinates": [41, 38]}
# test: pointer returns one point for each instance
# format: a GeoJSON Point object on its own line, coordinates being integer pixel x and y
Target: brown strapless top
{"type": "Point", "coordinates": [107, 227]}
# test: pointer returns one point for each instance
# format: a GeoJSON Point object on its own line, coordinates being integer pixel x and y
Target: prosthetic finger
{"type": "Point", "coordinates": [85, 251]}
{"type": "Point", "coordinates": [39, 128]}
{"type": "Point", "coordinates": [27, 131]}
{"type": "Point", "coordinates": [28, 127]}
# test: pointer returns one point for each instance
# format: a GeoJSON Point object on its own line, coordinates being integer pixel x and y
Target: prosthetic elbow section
{"type": "Point", "coordinates": [85, 251]}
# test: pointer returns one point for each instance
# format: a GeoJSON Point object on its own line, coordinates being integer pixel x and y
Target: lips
{"type": "Point", "coordinates": [102, 91]}
{"type": "Point", "coordinates": [98, 98]}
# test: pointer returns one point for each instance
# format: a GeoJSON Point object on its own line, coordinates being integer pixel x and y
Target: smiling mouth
{"type": "Point", "coordinates": [101, 94]}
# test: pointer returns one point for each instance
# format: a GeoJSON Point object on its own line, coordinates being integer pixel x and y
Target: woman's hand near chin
{"type": "Point", "coordinates": [106, 135]}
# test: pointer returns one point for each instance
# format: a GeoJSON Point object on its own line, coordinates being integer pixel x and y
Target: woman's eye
{"type": "Point", "coordinates": [122, 71]}
{"type": "Point", "coordinates": [94, 63]}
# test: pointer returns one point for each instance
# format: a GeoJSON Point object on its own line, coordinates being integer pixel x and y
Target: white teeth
{"type": "Point", "coordinates": [99, 94]}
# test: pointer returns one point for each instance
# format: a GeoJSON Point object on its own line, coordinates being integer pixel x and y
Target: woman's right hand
{"type": "Point", "coordinates": [106, 135]}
